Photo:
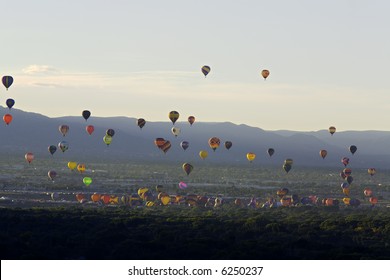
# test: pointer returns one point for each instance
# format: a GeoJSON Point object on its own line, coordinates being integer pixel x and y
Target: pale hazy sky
{"type": "Point", "coordinates": [329, 60]}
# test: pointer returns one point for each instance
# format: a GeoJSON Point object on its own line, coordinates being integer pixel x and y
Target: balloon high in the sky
{"type": "Point", "coordinates": [72, 165]}
{"type": "Point", "coordinates": [63, 129]}
{"type": "Point", "coordinates": [110, 132]}
{"type": "Point", "coordinates": [250, 156]}
{"type": "Point", "coordinates": [63, 145]}
{"type": "Point", "coordinates": [52, 174]}
{"type": "Point", "coordinates": [371, 171]}
{"type": "Point", "coordinates": [175, 131]}
{"type": "Point", "coordinates": [7, 81]}
{"type": "Point", "coordinates": [29, 157]}
{"type": "Point", "coordinates": [228, 144]}
{"type": "Point", "coordinates": [166, 146]}
{"type": "Point", "coordinates": [10, 103]}
{"type": "Point", "coordinates": [191, 119]}
{"type": "Point", "coordinates": [7, 118]}
{"type": "Point", "coordinates": [345, 161]}
{"type": "Point", "coordinates": [187, 168]}
{"type": "Point", "coordinates": [52, 149]}
{"type": "Point", "coordinates": [203, 154]}
{"type": "Point", "coordinates": [141, 123]}
{"type": "Point", "coordinates": [173, 116]}
{"type": "Point", "coordinates": [159, 142]}
{"type": "Point", "coordinates": [323, 153]}
{"type": "Point", "coordinates": [86, 114]}
{"type": "Point", "coordinates": [270, 151]}
{"type": "Point", "coordinates": [182, 185]}
{"type": "Point", "coordinates": [90, 129]}
{"type": "Point", "coordinates": [81, 167]}
{"type": "Point", "coordinates": [265, 73]}
{"type": "Point", "coordinates": [214, 143]}
{"type": "Point", "coordinates": [107, 139]}
{"type": "Point", "coordinates": [206, 70]}
{"type": "Point", "coordinates": [352, 149]}
{"type": "Point", "coordinates": [87, 181]}
{"type": "Point", "coordinates": [332, 130]}
{"type": "Point", "coordinates": [184, 145]}
{"type": "Point", "coordinates": [287, 167]}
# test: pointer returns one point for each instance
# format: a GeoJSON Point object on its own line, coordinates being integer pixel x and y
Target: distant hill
{"type": "Point", "coordinates": [35, 132]}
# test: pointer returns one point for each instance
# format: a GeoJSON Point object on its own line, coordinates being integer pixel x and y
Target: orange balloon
{"type": "Point", "coordinates": [95, 197]}
{"type": "Point", "coordinates": [7, 119]}
{"type": "Point", "coordinates": [265, 73]}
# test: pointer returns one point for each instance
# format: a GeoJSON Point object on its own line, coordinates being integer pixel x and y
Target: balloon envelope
{"type": "Point", "coordinates": [63, 145]}
{"type": "Point", "coordinates": [10, 103]}
{"type": "Point", "coordinates": [371, 171]}
{"type": "Point", "coordinates": [52, 149]}
{"type": "Point", "coordinates": [87, 181]}
{"type": "Point", "coordinates": [187, 168]}
{"type": "Point", "coordinates": [173, 116]}
{"type": "Point", "coordinates": [72, 165]}
{"type": "Point", "coordinates": [228, 144]}
{"type": "Point", "coordinates": [110, 132]}
{"type": "Point", "coordinates": [265, 73]}
{"type": "Point", "coordinates": [86, 114]}
{"type": "Point", "coordinates": [250, 156]}
{"type": "Point", "coordinates": [7, 118]}
{"type": "Point", "coordinates": [270, 151]}
{"type": "Point", "coordinates": [107, 139]}
{"type": "Point", "coordinates": [182, 185]}
{"type": "Point", "coordinates": [191, 119]}
{"type": "Point", "coordinates": [29, 157]}
{"type": "Point", "coordinates": [353, 149]}
{"type": "Point", "coordinates": [203, 154]}
{"type": "Point", "coordinates": [205, 70]}
{"type": "Point", "coordinates": [214, 143]}
{"type": "Point", "coordinates": [323, 153]}
{"type": "Point", "coordinates": [141, 123]}
{"type": "Point", "coordinates": [332, 130]}
{"type": "Point", "coordinates": [90, 129]}
{"type": "Point", "coordinates": [52, 174]}
{"type": "Point", "coordinates": [7, 81]}
{"type": "Point", "coordinates": [184, 145]}
{"type": "Point", "coordinates": [63, 129]}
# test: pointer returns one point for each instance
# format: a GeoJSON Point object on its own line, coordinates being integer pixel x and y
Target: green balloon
{"type": "Point", "coordinates": [87, 181]}
{"type": "Point", "coordinates": [107, 139]}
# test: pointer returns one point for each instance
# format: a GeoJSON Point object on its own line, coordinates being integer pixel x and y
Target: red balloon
{"type": "Point", "coordinates": [90, 129]}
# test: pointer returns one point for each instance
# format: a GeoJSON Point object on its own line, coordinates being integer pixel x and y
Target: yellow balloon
{"type": "Point", "coordinates": [165, 200]}
{"type": "Point", "coordinates": [81, 167]}
{"type": "Point", "coordinates": [346, 200]}
{"type": "Point", "coordinates": [142, 191]}
{"type": "Point", "coordinates": [107, 139]}
{"type": "Point", "coordinates": [203, 154]}
{"type": "Point", "coordinates": [72, 165]}
{"type": "Point", "coordinates": [250, 156]}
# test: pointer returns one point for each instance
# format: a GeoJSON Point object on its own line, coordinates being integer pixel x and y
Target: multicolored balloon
{"type": "Point", "coordinates": [332, 130]}
{"type": "Point", "coordinates": [173, 116]}
{"type": "Point", "coordinates": [63, 145]}
{"type": "Point", "coordinates": [141, 123]}
{"type": "Point", "coordinates": [63, 129]}
{"type": "Point", "coordinates": [214, 143]}
{"type": "Point", "coordinates": [371, 171]}
{"type": "Point", "coordinates": [265, 73]}
{"type": "Point", "coordinates": [205, 70]}
{"type": "Point", "coordinates": [29, 157]}
{"type": "Point", "coordinates": [175, 131]}
{"type": "Point", "coordinates": [182, 185]}
{"type": "Point", "coordinates": [191, 119]}
{"type": "Point", "coordinates": [7, 81]}
{"type": "Point", "coordinates": [184, 145]}
{"type": "Point", "coordinates": [345, 161]}
{"type": "Point", "coordinates": [187, 168]}
{"type": "Point", "coordinates": [323, 153]}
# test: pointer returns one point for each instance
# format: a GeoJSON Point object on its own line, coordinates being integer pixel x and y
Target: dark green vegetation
{"type": "Point", "coordinates": [177, 232]}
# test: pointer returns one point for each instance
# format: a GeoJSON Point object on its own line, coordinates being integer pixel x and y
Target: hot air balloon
{"type": "Point", "coordinates": [7, 118]}
{"type": "Point", "coordinates": [265, 73]}
{"type": "Point", "coordinates": [373, 200]}
{"type": "Point", "coordinates": [282, 192]}
{"type": "Point", "coordinates": [90, 129]}
{"type": "Point", "coordinates": [110, 132]}
{"type": "Point", "coordinates": [182, 185]}
{"type": "Point", "coordinates": [165, 200]}
{"type": "Point", "coordinates": [166, 146]}
{"type": "Point", "coordinates": [354, 202]}
{"type": "Point", "coordinates": [228, 145]}
{"type": "Point", "coordinates": [344, 185]}
{"type": "Point", "coordinates": [345, 161]}
{"type": "Point", "coordinates": [342, 175]}
{"type": "Point", "coordinates": [349, 179]}
{"type": "Point", "coordinates": [191, 119]}
{"type": "Point", "coordinates": [7, 81]}
{"type": "Point", "coordinates": [54, 196]}
{"type": "Point", "coordinates": [323, 153]}
{"type": "Point", "coordinates": [141, 123]}
{"type": "Point", "coordinates": [347, 171]}
{"type": "Point", "coordinates": [187, 168]}
{"type": "Point", "coordinates": [173, 116]}
{"type": "Point", "coordinates": [270, 151]}
{"type": "Point", "coordinates": [353, 149]}
{"type": "Point", "coordinates": [72, 165]}
{"type": "Point", "coordinates": [287, 167]}
{"type": "Point", "coordinates": [346, 200]}
{"type": "Point", "coordinates": [332, 130]}
{"type": "Point", "coordinates": [86, 114]}
{"type": "Point", "coordinates": [95, 197]}
{"type": "Point", "coordinates": [250, 156]}
{"type": "Point", "coordinates": [10, 103]}
{"type": "Point", "coordinates": [141, 192]}
{"type": "Point", "coordinates": [105, 198]}
{"type": "Point", "coordinates": [346, 191]}
{"type": "Point", "coordinates": [184, 145]}
{"type": "Point", "coordinates": [63, 145]}
{"type": "Point", "coordinates": [87, 181]}
{"type": "Point", "coordinates": [52, 149]}
{"type": "Point", "coordinates": [159, 142]}
{"type": "Point", "coordinates": [175, 131]}
{"type": "Point", "coordinates": [371, 171]}
{"type": "Point", "coordinates": [52, 174]}
{"type": "Point", "coordinates": [80, 197]}
{"type": "Point", "coordinates": [81, 167]}
{"type": "Point", "coordinates": [107, 139]}
{"type": "Point", "coordinates": [205, 70]}
{"type": "Point", "coordinates": [367, 192]}
{"type": "Point", "coordinates": [203, 154]}
{"type": "Point", "coordinates": [29, 157]}
{"type": "Point", "coordinates": [214, 143]}
{"type": "Point", "coordinates": [63, 129]}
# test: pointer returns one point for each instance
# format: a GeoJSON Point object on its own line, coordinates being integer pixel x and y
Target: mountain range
{"type": "Point", "coordinates": [33, 132]}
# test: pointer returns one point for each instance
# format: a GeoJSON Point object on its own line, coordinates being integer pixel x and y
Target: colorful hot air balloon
{"type": "Point", "coordinates": [228, 144]}
{"type": "Point", "coordinates": [206, 70]}
{"type": "Point", "coordinates": [87, 181]}
{"type": "Point", "coordinates": [187, 168]}
{"type": "Point", "coordinates": [110, 132]}
{"type": "Point", "coordinates": [367, 192]}
{"type": "Point", "coordinates": [52, 149]}
{"type": "Point", "coordinates": [72, 165]}
{"type": "Point", "coordinates": [265, 73]}
{"type": "Point", "coordinates": [95, 197]}
{"type": "Point", "coordinates": [323, 153]}
{"type": "Point", "coordinates": [10, 103]}
{"type": "Point", "coordinates": [203, 154]}
{"type": "Point", "coordinates": [81, 167]}
{"type": "Point", "coordinates": [287, 167]}
{"type": "Point", "coordinates": [214, 143]}
{"type": "Point", "coordinates": [86, 114]}
{"type": "Point", "coordinates": [332, 130]}
{"type": "Point", "coordinates": [373, 200]}
{"type": "Point", "coordinates": [175, 131]}
{"type": "Point", "coordinates": [107, 139]}
{"type": "Point", "coordinates": [371, 171]}
{"type": "Point", "coordinates": [7, 118]}
{"type": "Point", "coordinates": [166, 146]}
{"type": "Point", "coordinates": [7, 81]}
{"type": "Point", "coordinates": [63, 145]}
{"type": "Point", "coordinates": [182, 185]}
{"type": "Point", "coordinates": [159, 142]}
{"type": "Point", "coordinates": [141, 123]}
{"type": "Point", "coordinates": [89, 129]}
{"type": "Point", "coordinates": [352, 149]}
{"type": "Point", "coordinates": [345, 161]}
{"type": "Point", "coordinates": [184, 145]}
{"type": "Point", "coordinates": [173, 116]}
{"type": "Point", "coordinates": [282, 192]}
{"type": "Point", "coordinates": [250, 156]}
{"type": "Point", "coordinates": [29, 157]}
{"type": "Point", "coordinates": [349, 179]}
{"type": "Point", "coordinates": [270, 151]}
{"type": "Point", "coordinates": [344, 185]}
{"type": "Point", "coordinates": [191, 119]}
{"type": "Point", "coordinates": [52, 174]}
{"type": "Point", "coordinates": [347, 171]}
{"type": "Point", "coordinates": [63, 129]}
